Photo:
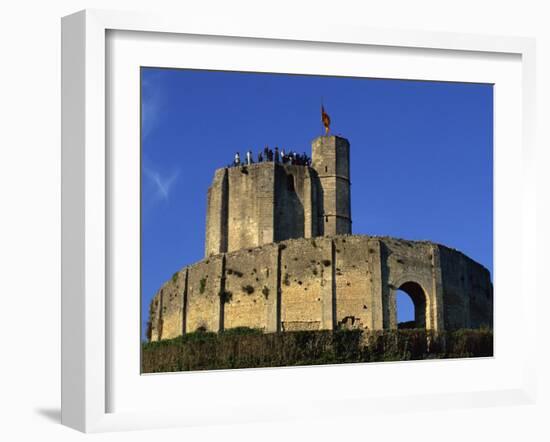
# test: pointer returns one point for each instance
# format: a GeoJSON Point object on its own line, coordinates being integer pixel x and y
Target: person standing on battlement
{"type": "Point", "coordinates": [276, 154]}
{"type": "Point", "coordinates": [249, 157]}
{"type": "Point", "coordinates": [237, 160]}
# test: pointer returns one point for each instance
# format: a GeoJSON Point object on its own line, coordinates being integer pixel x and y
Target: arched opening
{"type": "Point", "coordinates": [410, 306]}
{"type": "Point", "coordinates": [404, 310]}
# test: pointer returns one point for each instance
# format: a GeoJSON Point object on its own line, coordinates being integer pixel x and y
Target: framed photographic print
{"type": "Point", "coordinates": [276, 274]}
{"type": "Point", "coordinates": [280, 220]}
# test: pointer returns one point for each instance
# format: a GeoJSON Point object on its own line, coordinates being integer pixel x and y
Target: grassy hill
{"type": "Point", "coordinates": [247, 348]}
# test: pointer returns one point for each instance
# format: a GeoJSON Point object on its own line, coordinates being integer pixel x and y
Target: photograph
{"type": "Point", "coordinates": [305, 220]}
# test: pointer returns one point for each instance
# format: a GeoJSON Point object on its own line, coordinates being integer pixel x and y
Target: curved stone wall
{"type": "Point", "coordinates": [324, 283]}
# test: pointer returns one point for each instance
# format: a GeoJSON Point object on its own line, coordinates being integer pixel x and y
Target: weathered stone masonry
{"type": "Point", "coordinates": [280, 257]}
{"type": "Point", "coordinates": [269, 202]}
{"type": "Point", "coordinates": [324, 283]}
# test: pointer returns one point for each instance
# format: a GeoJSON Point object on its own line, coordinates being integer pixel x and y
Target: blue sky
{"type": "Point", "coordinates": [421, 155]}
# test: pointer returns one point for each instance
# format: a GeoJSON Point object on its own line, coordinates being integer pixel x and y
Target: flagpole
{"type": "Point", "coordinates": [322, 126]}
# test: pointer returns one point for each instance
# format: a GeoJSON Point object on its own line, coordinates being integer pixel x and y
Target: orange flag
{"type": "Point", "coordinates": [325, 119]}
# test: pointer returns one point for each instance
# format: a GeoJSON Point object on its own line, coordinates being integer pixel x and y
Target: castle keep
{"type": "Point", "coordinates": [270, 202]}
{"type": "Point", "coordinates": [280, 256]}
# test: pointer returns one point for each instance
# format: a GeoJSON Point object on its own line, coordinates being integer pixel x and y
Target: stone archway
{"type": "Point", "coordinates": [416, 293]}
{"type": "Point", "coordinates": [419, 300]}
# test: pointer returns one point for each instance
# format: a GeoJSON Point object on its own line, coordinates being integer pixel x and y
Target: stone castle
{"type": "Point", "coordinates": [280, 256]}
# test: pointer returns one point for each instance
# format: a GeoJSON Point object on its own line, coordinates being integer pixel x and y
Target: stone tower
{"type": "Point", "coordinates": [256, 204]}
{"type": "Point", "coordinates": [260, 203]}
{"type": "Point", "coordinates": [330, 158]}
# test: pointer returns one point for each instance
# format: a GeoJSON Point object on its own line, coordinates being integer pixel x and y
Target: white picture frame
{"type": "Point", "coordinates": [86, 203]}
